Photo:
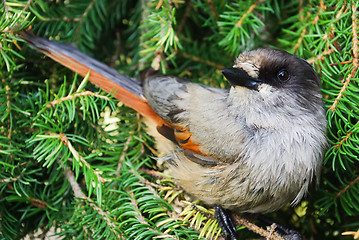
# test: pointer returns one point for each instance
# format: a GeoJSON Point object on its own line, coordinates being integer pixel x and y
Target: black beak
{"type": "Point", "coordinates": [239, 77]}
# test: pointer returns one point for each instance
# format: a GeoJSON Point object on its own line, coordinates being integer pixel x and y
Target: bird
{"type": "Point", "coordinates": [251, 148]}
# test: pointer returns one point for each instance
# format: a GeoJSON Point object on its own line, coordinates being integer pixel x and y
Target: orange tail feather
{"type": "Point", "coordinates": [126, 90]}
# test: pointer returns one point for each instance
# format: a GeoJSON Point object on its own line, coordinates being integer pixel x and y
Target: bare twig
{"type": "Point", "coordinates": [78, 157]}
{"type": "Point", "coordinates": [249, 11]}
{"type": "Point", "coordinates": [79, 194]}
{"type": "Point", "coordinates": [198, 59]}
{"type": "Point", "coordinates": [27, 5]}
{"type": "Point", "coordinates": [184, 18]}
{"type": "Point", "coordinates": [355, 67]}
{"type": "Point", "coordinates": [258, 230]}
{"type": "Point", "coordinates": [70, 97]}
{"type": "Point", "coordinates": [213, 9]}
{"type": "Point", "coordinates": [347, 187]}
{"type": "Point", "coordinates": [124, 151]}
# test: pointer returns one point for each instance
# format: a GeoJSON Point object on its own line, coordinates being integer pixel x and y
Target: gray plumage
{"type": "Point", "coordinates": [265, 141]}
{"type": "Point", "coordinates": [260, 143]}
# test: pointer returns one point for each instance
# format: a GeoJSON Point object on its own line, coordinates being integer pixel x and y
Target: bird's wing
{"type": "Point", "coordinates": [162, 108]}
{"type": "Point", "coordinates": [171, 98]}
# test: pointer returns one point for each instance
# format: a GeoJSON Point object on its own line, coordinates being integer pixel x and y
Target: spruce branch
{"type": "Point", "coordinates": [347, 187]}
{"type": "Point", "coordinates": [340, 144]}
{"type": "Point", "coordinates": [200, 60]}
{"type": "Point", "coordinates": [184, 18]}
{"type": "Point", "coordinates": [27, 5]}
{"type": "Point", "coordinates": [249, 11]}
{"type": "Point", "coordinates": [37, 202]}
{"type": "Point", "coordinates": [324, 32]}
{"type": "Point", "coordinates": [83, 17]}
{"type": "Point", "coordinates": [124, 152]}
{"type": "Point", "coordinates": [10, 179]}
{"type": "Point", "coordinates": [268, 234]}
{"type": "Point", "coordinates": [81, 160]}
{"type": "Point", "coordinates": [213, 9]}
{"type": "Point", "coordinates": [200, 218]}
{"type": "Point", "coordinates": [80, 195]}
{"type": "Point", "coordinates": [355, 52]}
{"type": "Point", "coordinates": [75, 95]}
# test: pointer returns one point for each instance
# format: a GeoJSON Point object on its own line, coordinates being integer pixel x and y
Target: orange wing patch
{"type": "Point", "coordinates": [183, 137]}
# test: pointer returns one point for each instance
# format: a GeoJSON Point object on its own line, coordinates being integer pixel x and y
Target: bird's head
{"type": "Point", "coordinates": [269, 72]}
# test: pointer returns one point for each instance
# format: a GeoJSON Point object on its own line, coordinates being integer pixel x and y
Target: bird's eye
{"type": "Point", "coordinates": [283, 75]}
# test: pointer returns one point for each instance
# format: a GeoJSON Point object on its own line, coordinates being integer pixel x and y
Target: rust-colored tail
{"type": "Point", "coordinates": [125, 89]}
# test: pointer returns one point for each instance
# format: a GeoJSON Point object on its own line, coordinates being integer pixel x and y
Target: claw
{"type": "Point", "coordinates": [226, 222]}
{"type": "Point", "coordinates": [287, 233]}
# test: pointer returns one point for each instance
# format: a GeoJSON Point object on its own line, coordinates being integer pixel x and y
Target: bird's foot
{"type": "Point", "coordinates": [285, 232]}
{"type": "Point", "coordinates": [226, 222]}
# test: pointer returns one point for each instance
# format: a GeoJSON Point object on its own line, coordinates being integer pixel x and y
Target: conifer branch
{"type": "Point", "coordinates": [337, 146]}
{"type": "Point", "coordinates": [249, 11]}
{"type": "Point", "coordinates": [355, 52]}
{"type": "Point", "coordinates": [268, 234]}
{"type": "Point", "coordinates": [320, 56]}
{"type": "Point", "coordinates": [134, 203]}
{"type": "Point", "coordinates": [33, 159]}
{"type": "Point", "coordinates": [79, 194]}
{"type": "Point", "coordinates": [73, 96]}
{"type": "Point", "coordinates": [213, 9]}
{"type": "Point", "coordinates": [83, 16]}
{"type": "Point", "coordinates": [198, 59]}
{"type": "Point", "coordinates": [124, 152]}
{"type": "Point", "coordinates": [300, 40]}
{"type": "Point", "coordinates": [347, 187]}
{"type": "Point", "coordinates": [27, 5]}
{"type": "Point", "coordinates": [37, 202]}
{"type": "Point", "coordinates": [11, 179]}
{"type": "Point", "coordinates": [185, 17]}
{"type": "Point", "coordinates": [148, 184]}
{"type": "Point", "coordinates": [79, 158]}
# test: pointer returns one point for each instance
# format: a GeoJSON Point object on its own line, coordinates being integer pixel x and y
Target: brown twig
{"type": "Point", "coordinates": [11, 179]}
{"type": "Point", "coordinates": [355, 41]}
{"type": "Point", "coordinates": [341, 63]}
{"type": "Point", "coordinates": [184, 18]}
{"type": "Point", "coordinates": [81, 20]}
{"type": "Point", "coordinates": [271, 234]}
{"type": "Point", "coordinates": [79, 194]}
{"type": "Point", "coordinates": [198, 59]}
{"type": "Point", "coordinates": [300, 40]}
{"type": "Point", "coordinates": [124, 151]}
{"type": "Point", "coordinates": [70, 97]}
{"type": "Point", "coordinates": [249, 11]}
{"type": "Point", "coordinates": [347, 187]}
{"type": "Point", "coordinates": [78, 157]}
{"type": "Point", "coordinates": [337, 146]}
{"type": "Point", "coordinates": [320, 56]}
{"type": "Point", "coordinates": [159, 4]}
{"type": "Point", "coordinates": [8, 109]}
{"type": "Point", "coordinates": [213, 9]}
{"type": "Point", "coordinates": [27, 5]}
{"type": "Point", "coordinates": [37, 202]}
{"type": "Point", "coordinates": [117, 50]}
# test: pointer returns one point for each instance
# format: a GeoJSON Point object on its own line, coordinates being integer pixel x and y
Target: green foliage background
{"type": "Point", "coordinates": [75, 160]}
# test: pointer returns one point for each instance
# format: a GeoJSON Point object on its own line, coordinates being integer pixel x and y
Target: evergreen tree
{"type": "Point", "coordinates": [75, 160]}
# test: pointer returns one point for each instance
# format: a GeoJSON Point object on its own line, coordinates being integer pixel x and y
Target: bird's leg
{"type": "Point", "coordinates": [226, 222]}
{"type": "Point", "coordinates": [285, 232]}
